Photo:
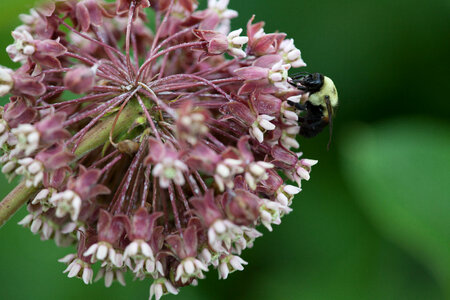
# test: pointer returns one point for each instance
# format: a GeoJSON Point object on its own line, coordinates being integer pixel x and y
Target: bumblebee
{"type": "Point", "coordinates": [318, 110]}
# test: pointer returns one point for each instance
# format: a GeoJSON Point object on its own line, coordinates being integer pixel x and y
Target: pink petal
{"type": "Point", "coordinates": [252, 73]}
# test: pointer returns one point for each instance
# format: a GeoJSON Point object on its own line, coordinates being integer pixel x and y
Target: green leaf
{"type": "Point", "coordinates": [400, 173]}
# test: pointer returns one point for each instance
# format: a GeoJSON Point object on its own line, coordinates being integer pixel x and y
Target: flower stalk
{"type": "Point", "coordinates": [14, 201]}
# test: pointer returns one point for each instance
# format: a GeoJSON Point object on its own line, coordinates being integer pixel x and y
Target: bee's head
{"type": "Point", "coordinates": [313, 82]}
{"type": "Point", "coordinates": [310, 83]}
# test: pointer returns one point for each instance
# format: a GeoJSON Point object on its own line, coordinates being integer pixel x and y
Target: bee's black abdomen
{"type": "Point", "coordinates": [311, 130]}
{"type": "Point", "coordinates": [313, 121]}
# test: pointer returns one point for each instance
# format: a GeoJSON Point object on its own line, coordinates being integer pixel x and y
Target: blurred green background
{"type": "Point", "coordinates": [374, 221]}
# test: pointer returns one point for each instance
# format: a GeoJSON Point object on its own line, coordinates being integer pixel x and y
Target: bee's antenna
{"type": "Point", "coordinates": [330, 119]}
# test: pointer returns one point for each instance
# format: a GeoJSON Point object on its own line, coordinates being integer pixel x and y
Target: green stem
{"type": "Point", "coordinates": [99, 134]}
{"type": "Point", "coordinates": [15, 199]}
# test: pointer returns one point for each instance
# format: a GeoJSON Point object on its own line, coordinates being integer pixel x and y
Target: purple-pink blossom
{"type": "Point", "coordinates": [153, 151]}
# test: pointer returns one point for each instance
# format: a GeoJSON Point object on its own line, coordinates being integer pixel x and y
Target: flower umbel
{"type": "Point", "coordinates": [155, 151]}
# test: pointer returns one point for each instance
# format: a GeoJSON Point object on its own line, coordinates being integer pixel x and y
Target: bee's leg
{"type": "Point", "coordinates": [296, 84]}
{"type": "Point", "coordinates": [292, 83]}
{"type": "Point", "coordinates": [298, 106]}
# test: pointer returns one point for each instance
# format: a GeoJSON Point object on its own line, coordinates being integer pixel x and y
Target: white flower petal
{"type": "Point", "coordinates": [179, 272]}
{"type": "Point", "coordinates": [189, 267]}
{"type": "Point", "coordinates": [291, 189]}
{"type": "Point", "coordinates": [147, 250]}
{"type": "Point", "coordinates": [109, 277]}
{"type": "Point", "coordinates": [120, 278]}
{"type": "Point", "coordinates": [91, 250]}
{"type": "Point", "coordinates": [102, 252]}
{"type": "Point", "coordinates": [67, 258]}
{"type": "Point", "coordinates": [74, 270]}
{"type": "Point", "coordinates": [87, 275]}
{"type": "Point", "coordinates": [158, 292]}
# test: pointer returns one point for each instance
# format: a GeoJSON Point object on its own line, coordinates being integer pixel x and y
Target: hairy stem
{"type": "Point", "coordinates": [14, 200]}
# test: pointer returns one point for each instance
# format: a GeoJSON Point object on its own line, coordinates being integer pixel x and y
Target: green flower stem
{"type": "Point", "coordinates": [99, 134]}
{"type": "Point", "coordinates": [15, 199]}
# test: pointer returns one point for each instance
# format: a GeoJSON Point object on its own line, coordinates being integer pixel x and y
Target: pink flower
{"type": "Point", "coordinates": [261, 43]}
{"type": "Point", "coordinates": [43, 52]}
{"type": "Point", "coordinates": [219, 43]}
{"type": "Point", "coordinates": [140, 231]}
{"type": "Point", "coordinates": [153, 152]}
{"type": "Point", "coordinates": [267, 74]}
{"type": "Point", "coordinates": [167, 164]}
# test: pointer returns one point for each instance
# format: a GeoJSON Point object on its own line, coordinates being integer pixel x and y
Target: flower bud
{"type": "Point", "coordinates": [80, 80]}
{"type": "Point", "coordinates": [128, 147]}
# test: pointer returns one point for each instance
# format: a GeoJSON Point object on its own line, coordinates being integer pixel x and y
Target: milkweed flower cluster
{"type": "Point", "coordinates": [154, 151]}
